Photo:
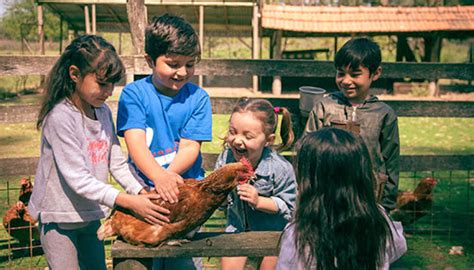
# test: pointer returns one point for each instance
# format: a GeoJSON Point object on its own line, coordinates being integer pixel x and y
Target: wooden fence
{"type": "Point", "coordinates": [27, 65]}
{"type": "Point", "coordinates": [127, 256]}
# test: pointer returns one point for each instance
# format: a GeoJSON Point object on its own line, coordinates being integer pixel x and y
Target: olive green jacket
{"type": "Point", "coordinates": [378, 127]}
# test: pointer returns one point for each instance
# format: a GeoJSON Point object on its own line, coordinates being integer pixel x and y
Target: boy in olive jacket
{"type": "Point", "coordinates": [358, 65]}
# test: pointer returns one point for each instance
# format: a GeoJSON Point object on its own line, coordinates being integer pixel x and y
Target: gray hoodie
{"type": "Point", "coordinates": [77, 154]}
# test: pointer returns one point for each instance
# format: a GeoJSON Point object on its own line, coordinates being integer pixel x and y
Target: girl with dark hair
{"type": "Point", "coordinates": [267, 205]}
{"type": "Point", "coordinates": [338, 224]}
{"type": "Point", "coordinates": [78, 150]}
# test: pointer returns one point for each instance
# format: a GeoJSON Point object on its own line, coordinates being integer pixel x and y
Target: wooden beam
{"type": "Point", "coordinates": [201, 37]}
{"type": "Point", "coordinates": [255, 44]}
{"type": "Point", "coordinates": [87, 21]}
{"type": "Point", "coordinates": [28, 64]}
{"type": "Point", "coordinates": [276, 54]}
{"type": "Point", "coordinates": [40, 29]}
{"type": "Point", "coordinates": [136, 12]}
{"type": "Point", "coordinates": [208, 244]}
{"type": "Point", "coordinates": [94, 20]}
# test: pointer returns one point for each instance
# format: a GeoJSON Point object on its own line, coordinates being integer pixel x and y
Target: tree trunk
{"type": "Point", "coordinates": [136, 12]}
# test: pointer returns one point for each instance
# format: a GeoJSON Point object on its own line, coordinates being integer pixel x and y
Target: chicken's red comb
{"type": "Point", "coordinates": [430, 180]}
{"type": "Point", "coordinates": [250, 172]}
{"type": "Point", "coordinates": [24, 181]}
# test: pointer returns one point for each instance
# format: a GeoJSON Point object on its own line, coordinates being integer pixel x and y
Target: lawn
{"type": "Point", "coordinates": [418, 136]}
{"type": "Point", "coordinates": [429, 240]}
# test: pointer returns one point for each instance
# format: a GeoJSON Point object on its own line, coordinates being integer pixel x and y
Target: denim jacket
{"type": "Point", "coordinates": [276, 180]}
{"type": "Point", "coordinates": [377, 124]}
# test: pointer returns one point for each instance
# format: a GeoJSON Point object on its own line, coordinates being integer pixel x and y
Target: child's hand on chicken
{"type": "Point", "coordinates": [248, 193]}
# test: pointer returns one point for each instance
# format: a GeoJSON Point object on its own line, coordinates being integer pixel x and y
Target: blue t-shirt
{"type": "Point", "coordinates": [166, 120]}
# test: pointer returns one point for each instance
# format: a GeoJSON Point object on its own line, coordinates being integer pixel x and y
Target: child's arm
{"type": "Point", "coordinates": [249, 193]}
{"type": "Point", "coordinates": [60, 132]}
{"type": "Point", "coordinates": [283, 198]}
{"type": "Point", "coordinates": [142, 205]}
{"type": "Point", "coordinates": [120, 169]}
{"type": "Point", "coordinates": [188, 152]}
{"type": "Point", "coordinates": [166, 182]}
{"type": "Point", "coordinates": [315, 118]}
{"type": "Point", "coordinates": [390, 147]}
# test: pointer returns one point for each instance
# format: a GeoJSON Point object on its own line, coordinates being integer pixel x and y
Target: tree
{"type": "Point", "coordinates": [21, 16]}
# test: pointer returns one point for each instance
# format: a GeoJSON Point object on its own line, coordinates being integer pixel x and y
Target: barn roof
{"type": "Point", "coordinates": [362, 19]}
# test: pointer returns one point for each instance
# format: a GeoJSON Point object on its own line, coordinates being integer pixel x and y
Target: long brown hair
{"type": "Point", "coordinates": [91, 54]}
{"type": "Point", "coordinates": [337, 220]}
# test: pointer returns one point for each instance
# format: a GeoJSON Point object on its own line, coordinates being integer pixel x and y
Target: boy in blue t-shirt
{"type": "Point", "coordinates": [163, 117]}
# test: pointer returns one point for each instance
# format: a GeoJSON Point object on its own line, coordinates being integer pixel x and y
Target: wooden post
{"type": "Point", "coordinates": [137, 20]}
{"type": "Point", "coordinates": [61, 34]}
{"type": "Point", "coordinates": [255, 44]}
{"type": "Point", "coordinates": [120, 43]}
{"type": "Point", "coordinates": [432, 54]}
{"type": "Point", "coordinates": [40, 29]}
{"type": "Point", "coordinates": [70, 35]}
{"type": "Point", "coordinates": [94, 27]}
{"type": "Point", "coordinates": [87, 19]}
{"type": "Point", "coordinates": [201, 37]}
{"type": "Point", "coordinates": [276, 54]}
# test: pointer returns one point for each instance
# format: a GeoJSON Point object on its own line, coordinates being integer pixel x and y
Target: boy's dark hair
{"type": "Point", "coordinates": [359, 52]}
{"type": "Point", "coordinates": [90, 54]}
{"type": "Point", "coordinates": [171, 35]}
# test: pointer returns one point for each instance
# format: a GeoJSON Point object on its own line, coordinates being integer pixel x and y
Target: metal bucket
{"type": "Point", "coordinates": [309, 95]}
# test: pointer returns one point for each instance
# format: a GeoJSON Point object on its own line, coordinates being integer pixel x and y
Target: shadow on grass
{"type": "Point", "coordinates": [16, 251]}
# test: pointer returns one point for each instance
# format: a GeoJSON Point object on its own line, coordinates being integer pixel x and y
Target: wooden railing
{"type": "Point", "coordinates": [28, 65]}
{"type": "Point", "coordinates": [251, 243]}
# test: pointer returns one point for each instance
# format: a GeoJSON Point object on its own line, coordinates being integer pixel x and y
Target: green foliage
{"type": "Point", "coordinates": [20, 20]}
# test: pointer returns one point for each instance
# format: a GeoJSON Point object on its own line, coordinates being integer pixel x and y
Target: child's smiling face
{"type": "Point", "coordinates": [171, 72]}
{"type": "Point", "coordinates": [355, 82]}
{"type": "Point", "coordinates": [246, 137]}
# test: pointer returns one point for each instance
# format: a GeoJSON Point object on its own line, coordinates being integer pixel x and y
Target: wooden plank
{"type": "Point", "coordinates": [27, 166]}
{"type": "Point", "coordinates": [18, 166]}
{"type": "Point", "coordinates": [403, 108]}
{"type": "Point", "coordinates": [208, 244]}
{"type": "Point", "coordinates": [224, 105]}
{"type": "Point", "coordinates": [28, 64]}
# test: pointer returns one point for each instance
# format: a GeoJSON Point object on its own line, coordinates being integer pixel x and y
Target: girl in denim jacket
{"type": "Point", "coordinates": [266, 204]}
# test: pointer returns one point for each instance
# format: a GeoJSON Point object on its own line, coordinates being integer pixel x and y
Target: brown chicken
{"type": "Point", "coordinates": [17, 221]}
{"type": "Point", "coordinates": [197, 201]}
{"type": "Point", "coordinates": [412, 205]}
{"type": "Point", "coordinates": [20, 225]}
{"type": "Point", "coordinates": [26, 188]}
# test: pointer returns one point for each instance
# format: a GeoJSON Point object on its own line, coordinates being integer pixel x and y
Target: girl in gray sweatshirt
{"type": "Point", "coordinates": [78, 150]}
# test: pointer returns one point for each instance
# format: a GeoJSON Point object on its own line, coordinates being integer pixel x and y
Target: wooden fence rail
{"type": "Point", "coordinates": [40, 65]}
{"type": "Point", "coordinates": [27, 166]}
{"type": "Point", "coordinates": [224, 105]}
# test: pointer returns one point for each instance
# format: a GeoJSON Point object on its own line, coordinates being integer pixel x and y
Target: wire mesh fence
{"type": "Point", "coordinates": [443, 227]}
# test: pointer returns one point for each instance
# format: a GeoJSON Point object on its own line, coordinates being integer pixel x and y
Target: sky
{"type": "Point", "coordinates": [3, 6]}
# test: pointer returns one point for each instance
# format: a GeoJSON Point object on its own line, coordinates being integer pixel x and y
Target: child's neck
{"type": "Point", "coordinates": [85, 108]}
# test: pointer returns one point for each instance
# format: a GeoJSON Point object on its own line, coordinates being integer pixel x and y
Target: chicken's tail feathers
{"type": "Point", "coordinates": [106, 230]}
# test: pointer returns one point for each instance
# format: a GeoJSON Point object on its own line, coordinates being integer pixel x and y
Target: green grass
{"type": "Point", "coordinates": [418, 136]}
